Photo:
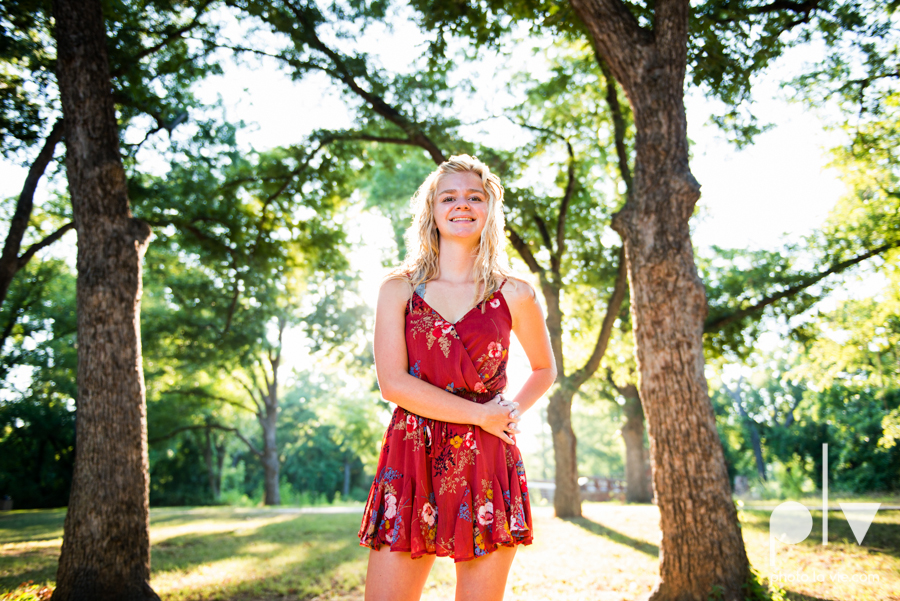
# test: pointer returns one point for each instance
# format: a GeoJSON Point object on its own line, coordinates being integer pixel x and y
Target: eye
{"type": "Point", "coordinates": [478, 198]}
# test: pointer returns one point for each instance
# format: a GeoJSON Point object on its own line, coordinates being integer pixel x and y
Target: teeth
{"type": "Point", "coordinates": [462, 219]}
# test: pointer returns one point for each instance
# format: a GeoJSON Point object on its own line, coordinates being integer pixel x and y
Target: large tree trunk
{"type": "Point", "coordinates": [701, 543]}
{"type": "Point", "coordinates": [106, 545]}
{"type": "Point", "coordinates": [638, 485]}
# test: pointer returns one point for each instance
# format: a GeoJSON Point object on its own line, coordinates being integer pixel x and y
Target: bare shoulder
{"type": "Point", "coordinates": [394, 292]}
{"type": "Point", "coordinates": [518, 292]}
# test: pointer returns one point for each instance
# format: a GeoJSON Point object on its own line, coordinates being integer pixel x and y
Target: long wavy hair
{"type": "Point", "coordinates": [422, 238]}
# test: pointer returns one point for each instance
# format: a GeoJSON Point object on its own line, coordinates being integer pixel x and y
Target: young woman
{"type": "Point", "coordinates": [450, 479]}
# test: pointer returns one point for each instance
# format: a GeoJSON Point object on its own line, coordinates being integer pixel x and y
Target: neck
{"type": "Point", "coordinates": [456, 260]}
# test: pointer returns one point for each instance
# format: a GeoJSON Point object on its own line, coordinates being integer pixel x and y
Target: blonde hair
{"type": "Point", "coordinates": [422, 238]}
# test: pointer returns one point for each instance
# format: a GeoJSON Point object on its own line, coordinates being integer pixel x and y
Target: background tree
{"type": "Point", "coordinates": [147, 51]}
{"type": "Point", "coordinates": [242, 239]}
{"type": "Point", "coordinates": [37, 423]}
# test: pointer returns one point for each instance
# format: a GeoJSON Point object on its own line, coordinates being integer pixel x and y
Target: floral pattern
{"type": "Point", "coordinates": [442, 488]}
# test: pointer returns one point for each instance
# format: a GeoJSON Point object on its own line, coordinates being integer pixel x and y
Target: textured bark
{"type": "Point", "coordinates": [106, 545]}
{"type": "Point", "coordinates": [638, 483]}
{"type": "Point", "coordinates": [701, 543]}
{"type": "Point", "coordinates": [567, 495]}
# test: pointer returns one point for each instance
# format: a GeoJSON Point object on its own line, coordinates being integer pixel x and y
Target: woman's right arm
{"type": "Point", "coordinates": [413, 394]}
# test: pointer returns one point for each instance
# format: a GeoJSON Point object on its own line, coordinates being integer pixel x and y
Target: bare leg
{"type": "Point", "coordinates": [395, 576]}
{"type": "Point", "coordinates": [484, 578]}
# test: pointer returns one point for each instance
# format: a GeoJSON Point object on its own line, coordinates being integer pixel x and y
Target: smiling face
{"type": "Point", "coordinates": [460, 206]}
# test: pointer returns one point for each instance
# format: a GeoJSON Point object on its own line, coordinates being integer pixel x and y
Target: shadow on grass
{"type": "Point", "coordinates": [297, 555]}
{"type": "Point", "coordinates": [617, 537]}
{"type": "Point", "coordinates": [31, 525]}
{"type": "Point", "coordinates": [882, 537]}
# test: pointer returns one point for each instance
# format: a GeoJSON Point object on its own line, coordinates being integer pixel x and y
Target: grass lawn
{"type": "Point", "coordinates": [610, 554]}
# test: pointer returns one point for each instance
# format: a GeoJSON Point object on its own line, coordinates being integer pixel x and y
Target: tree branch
{"type": "Point", "coordinates": [545, 236]}
{"type": "Point", "coordinates": [37, 246]}
{"type": "Point", "coordinates": [613, 306]}
{"type": "Point", "coordinates": [717, 323]}
{"type": "Point", "coordinates": [789, 420]}
{"type": "Point", "coordinates": [260, 408]}
{"type": "Point", "coordinates": [378, 104]}
{"type": "Point", "coordinates": [522, 248]}
{"type": "Point", "coordinates": [199, 392]}
{"type": "Point", "coordinates": [615, 109]}
{"type": "Point", "coordinates": [804, 8]}
{"type": "Point", "coordinates": [212, 425]}
{"type": "Point", "coordinates": [564, 207]}
{"type": "Point", "coordinates": [175, 35]}
{"type": "Point", "coordinates": [9, 260]}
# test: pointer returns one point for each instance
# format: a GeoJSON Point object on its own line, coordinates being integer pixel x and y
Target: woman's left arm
{"type": "Point", "coordinates": [531, 330]}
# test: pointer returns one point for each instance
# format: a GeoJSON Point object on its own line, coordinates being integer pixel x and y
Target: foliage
{"type": "Point", "coordinates": [28, 591]}
{"type": "Point", "coordinates": [152, 66]}
{"type": "Point", "coordinates": [37, 422]}
{"type": "Point", "coordinates": [800, 401]}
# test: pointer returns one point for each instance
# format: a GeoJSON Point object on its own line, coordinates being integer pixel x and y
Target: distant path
{"type": "Point", "coordinates": [819, 507]}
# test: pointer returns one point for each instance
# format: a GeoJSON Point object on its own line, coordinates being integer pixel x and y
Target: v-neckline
{"type": "Point", "coordinates": [453, 323]}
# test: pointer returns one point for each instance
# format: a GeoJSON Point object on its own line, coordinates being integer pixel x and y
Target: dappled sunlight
{"type": "Point", "coordinates": [259, 552]}
{"type": "Point", "coordinates": [840, 570]}
{"type": "Point", "coordinates": [244, 527]}
{"type": "Point", "coordinates": [608, 555]}
{"type": "Point", "coordinates": [17, 548]}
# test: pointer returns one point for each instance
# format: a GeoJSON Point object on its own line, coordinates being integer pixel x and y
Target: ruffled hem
{"type": "Point", "coordinates": [375, 547]}
{"type": "Point", "coordinates": [402, 510]}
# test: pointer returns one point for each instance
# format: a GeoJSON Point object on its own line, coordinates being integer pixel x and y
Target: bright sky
{"type": "Point", "coordinates": [751, 198]}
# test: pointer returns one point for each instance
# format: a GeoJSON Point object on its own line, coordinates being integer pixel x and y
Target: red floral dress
{"type": "Point", "coordinates": [441, 488]}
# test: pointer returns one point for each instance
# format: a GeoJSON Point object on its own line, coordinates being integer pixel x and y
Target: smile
{"type": "Point", "coordinates": [462, 219]}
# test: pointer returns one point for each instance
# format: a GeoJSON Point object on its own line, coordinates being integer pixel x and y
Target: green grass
{"type": "Point", "coordinates": [610, 554]}
{"type": "Point", "coordinates": [833, 500]}
{"type": "Point", "coordinates": [210, 553]}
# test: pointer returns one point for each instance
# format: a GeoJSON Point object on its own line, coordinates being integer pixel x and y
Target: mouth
{"type": "Point", "coordinates": [462, 219]}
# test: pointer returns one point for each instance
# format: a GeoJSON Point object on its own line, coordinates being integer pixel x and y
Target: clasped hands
{"type": "Point", "coordinates": [501, 418]}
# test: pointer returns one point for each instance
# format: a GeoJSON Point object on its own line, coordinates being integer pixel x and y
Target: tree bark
{"type": "Point", "coordinates": [212, 455]}
{"type": "Point", "coordinates": [638, 485]}
{"type": "Point", "coordinates": [271, 465]}
{"type": "Point", "coordinates": [345, 492]}
{"type": "Point", "coordinates": [106, 545]}
{"type": "Point", "coordinates": [268, 420]}
{"type": "Point", "coordinates": [567, 496]}
{"type": "Point", "coordinates": [701, 545]}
